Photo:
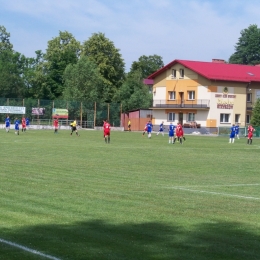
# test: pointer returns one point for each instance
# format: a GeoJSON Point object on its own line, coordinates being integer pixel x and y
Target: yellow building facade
{"type": "Point", "coordinates": [186, 95]}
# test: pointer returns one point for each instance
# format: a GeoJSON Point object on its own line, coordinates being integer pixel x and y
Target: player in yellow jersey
{"type": "Point", "coordinates": [74, 127]}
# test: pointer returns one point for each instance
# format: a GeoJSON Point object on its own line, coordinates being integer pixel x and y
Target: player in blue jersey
{"type": "Point", "coordinates": [237, 131]}
{"type": "Point", "coordinates": [27, 121]}
{"type": "Point", "coordinates": [145, 128]}
{"type": "Point", "coordinates": [16, 126]}
{"type": "Point", "coordinates": [149, 129]}
{"type": "Point", "coordinates": [7, 124]}
{"type": "Point", "coordinates": [171, 133]}
{"type": "Point", "coordinates": [232, 134]}
{"type": "Point", "coordinates": [161, 129]}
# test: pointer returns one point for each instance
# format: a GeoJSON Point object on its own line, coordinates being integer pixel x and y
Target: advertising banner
{"type": "Point", "coordinates": [12, 110]}
{"type": "Point", "coordinates": [38, 111]}
{"type": "Point", "coordinates": [60, 113]}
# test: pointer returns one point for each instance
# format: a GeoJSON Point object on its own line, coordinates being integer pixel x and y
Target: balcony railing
{"type": "Point", "coordinates": [196, 103]}
{"type": "Point", "coordinates": [249, 106]}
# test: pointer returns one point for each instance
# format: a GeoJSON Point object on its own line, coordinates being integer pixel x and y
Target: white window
{"type": "Point", "coordinates": [224, 118]}
{"type": "Point", "coordinates": [237, 118]}
{"type": "Point", "coordinates": [248, 119]}
{"type": "Point", "coordinates": [249, 97]}
{"type": "Point", "coordinates": [191, 95]}
{"type": "Point", "coordinates": [171, 116]}
{"type": "Point", "coordinates": [181, 73]}
{"type": "Point", "coordinates": [173, 74]}
{"type": "Point", "coordinates": [172, 95]}
{"type": "Point", "coordinates": [191, 117]}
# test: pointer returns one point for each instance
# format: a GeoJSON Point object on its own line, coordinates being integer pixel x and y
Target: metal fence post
{"type": "Point", "coordinates": [95, 111]}
{"type": "Point", "coordinates": [108, 111]}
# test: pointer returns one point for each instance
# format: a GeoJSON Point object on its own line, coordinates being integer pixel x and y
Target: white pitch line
{"type": "Point", "coordinates": [218, 193]}
{"type": "Point", "coordinates": [28, 249]}
{"type": "Point", "coordinates": [217, 185]}
{"type": "Point", "coordinates": [234, 185]}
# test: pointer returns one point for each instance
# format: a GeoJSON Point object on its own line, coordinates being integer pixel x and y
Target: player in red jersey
{"type": "Point", "coordinates": [250, 131]}
{"type": "Point", "coordinates": [179, 133]}
{"type": "Point", "coordinates": [23, 124]}
{"type": "Point", "coordinates": [56, 125]}
{"type": "Point", "coordinates": [107, 128]}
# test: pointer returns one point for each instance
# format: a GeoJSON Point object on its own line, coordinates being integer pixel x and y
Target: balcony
{"type": "Point", "coordinates": [249, 106]}
{"type": "Point", "coordinates": [196, 103]}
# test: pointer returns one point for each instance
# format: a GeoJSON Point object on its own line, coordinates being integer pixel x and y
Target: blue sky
{"type": "Point", "coordinates": [174, 29]}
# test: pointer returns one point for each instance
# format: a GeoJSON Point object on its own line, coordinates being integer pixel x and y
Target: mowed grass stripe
{"type": "Point", "coordinates": [79, 198]}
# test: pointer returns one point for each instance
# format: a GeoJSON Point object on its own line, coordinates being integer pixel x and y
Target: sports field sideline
{"type": "Point", "coordinates": [69, 197]}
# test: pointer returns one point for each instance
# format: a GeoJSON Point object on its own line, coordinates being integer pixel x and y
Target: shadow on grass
{"type": "Point", "coordinates": [101, 240]}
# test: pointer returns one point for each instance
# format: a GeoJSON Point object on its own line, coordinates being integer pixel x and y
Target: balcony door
{"type": "Point", "coordinates": [181, 118]}
{"type": "Point", "coordinates": [181, 95]}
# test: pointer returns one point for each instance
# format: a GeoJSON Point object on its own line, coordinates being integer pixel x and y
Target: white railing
{"type": "Point", "coordinates": [49, 122]}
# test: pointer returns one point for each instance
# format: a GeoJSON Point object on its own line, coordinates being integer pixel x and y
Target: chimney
{"type": "Point", "coordinates": [218, 61]}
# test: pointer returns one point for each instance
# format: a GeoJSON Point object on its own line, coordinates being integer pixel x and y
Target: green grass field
{"type": "Point", "coordinates": [136, 198]}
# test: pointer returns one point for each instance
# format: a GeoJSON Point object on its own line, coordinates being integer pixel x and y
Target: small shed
{"type": "Point", "coordinates": [138, 119]}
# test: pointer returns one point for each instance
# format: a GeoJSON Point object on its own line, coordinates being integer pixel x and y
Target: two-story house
{"type": "Point", "coordinates": [211, 93]}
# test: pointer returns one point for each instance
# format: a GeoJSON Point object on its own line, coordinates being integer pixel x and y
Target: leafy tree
{"type": "Point", "coordinates": [82, 81]}
{"type": "Point", "coordinates": [255, 119]}
{"type": "Point", "coordinates": [147, 65]}
{"type": "Point", "coordinates": [102, 51]}
{"type": "Point", "coordinates": [11, 68]}
{"type": "Point", "coordinates": [247, 50]}
{"type": "Point", "coordinates": [38, 78]}
{"type": "Point", "coordinates": [5, 43]}
{"type": "Point", "coordinates": [30, 74]}
{"type": "Point", "coordinates": [134, 94]}
{"type": "Point", "coordinates": [11, 74]}
{"type": "Point", "coordinates": [62, 51]}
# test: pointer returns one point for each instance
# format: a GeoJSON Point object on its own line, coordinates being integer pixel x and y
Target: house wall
{"type": "Point", "coordinates": [231, 102]}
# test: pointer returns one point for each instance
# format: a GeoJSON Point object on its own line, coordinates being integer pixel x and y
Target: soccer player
{"type": "Point", "coordinates": [183, 137]}
{"type": "Point", "coordinates": [74, 128]}
{"type": "Point", "coordinates": [129, 126]}
{"type": "Point", "coordinates": [27, 122]}
{"type": "Point", "coordinates": [23, 124]}
{"type": "Point", "coordinates": [250, 131]}
{"type": "Point", "coordinates": [161, 129]}
{"type": "Point", "coordinates": [7, 124]}
{"type": "Point", "coordinates": [237, 131]}
{"type": "Point", "coordinates": [16, 125]}
{"type": "Point", "coordinates": [232, 134]}
{"type": "Point", "coordinates": [149, 129]}
{"type": "Point", "coordinates": [171, 133]}
{"type": "Point", "coordinates": [56, 125]}
{"type": "Point", "coordinates": [107, 128]}
{"type": "Point", "coordinates": [145, 128]}
{"type": "Point", "coordinates": [179, 133]}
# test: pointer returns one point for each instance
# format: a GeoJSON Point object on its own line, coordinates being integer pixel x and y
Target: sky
{"type": "Point", "coordinates": [199, 30]}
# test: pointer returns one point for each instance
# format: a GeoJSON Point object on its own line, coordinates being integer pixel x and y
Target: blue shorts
{"type": "Point", "coordinates": [232, 135]}
{"type": "Point", "coordinates": [171, 134]}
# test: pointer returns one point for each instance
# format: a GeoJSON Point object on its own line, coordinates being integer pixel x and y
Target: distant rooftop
{"type": "Point", "coordinates": [217, 70]}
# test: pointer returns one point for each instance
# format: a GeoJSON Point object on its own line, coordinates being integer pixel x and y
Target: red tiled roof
{"type": "Point", "coordinates": [217, 71]}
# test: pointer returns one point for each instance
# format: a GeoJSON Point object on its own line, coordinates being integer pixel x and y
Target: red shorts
{"type": "Point", "coordinates": [106, 132]}
{"type": "Point", "coordinates": [250, 135]}
{"type": "Point", "coordinates": [179, 133]}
